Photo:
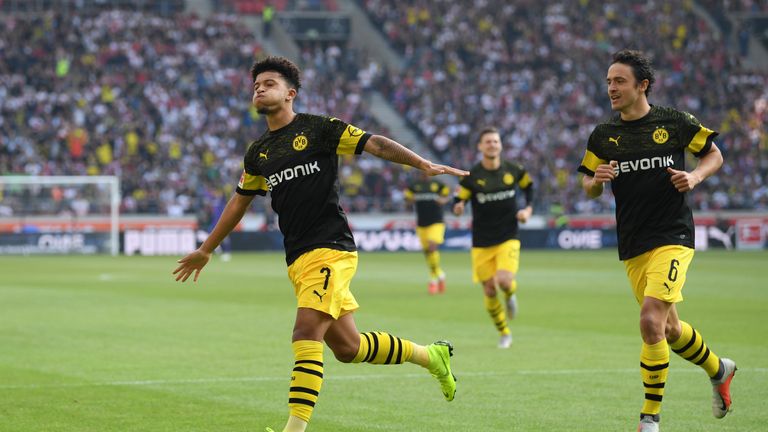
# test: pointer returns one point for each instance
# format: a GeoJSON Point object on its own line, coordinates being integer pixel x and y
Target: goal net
{"type": "Point", "coordinates": [59, 214]}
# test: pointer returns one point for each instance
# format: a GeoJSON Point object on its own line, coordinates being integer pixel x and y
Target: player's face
{"type": "Point", "coordinates": [271, 92]}
{"type": "Point", "coordinates": [490, 145]}
{"type": "Point", "coordinates": [623, 88]}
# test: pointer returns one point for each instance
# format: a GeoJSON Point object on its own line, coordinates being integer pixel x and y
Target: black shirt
{"type": "Point", "coordinates": [298, 164]}
{"type": "Point", "coordinates": [494, 203]}
{"type": "Point", "coordinates": [425, 195]}
{"type": "Point", "coordinates": [650, 212]}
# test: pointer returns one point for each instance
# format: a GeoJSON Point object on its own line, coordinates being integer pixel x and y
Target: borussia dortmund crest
{"type": "Point", "coordinates": [508, 179]}
{"type": "Point", "coordinates": [660, 136]}
{"type": "Point", "coordinates": [300, 143]}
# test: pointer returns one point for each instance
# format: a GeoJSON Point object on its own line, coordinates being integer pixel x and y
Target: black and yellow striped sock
{"type": "Point", "coordinates": [433, 261]}
{"type": "Point", "coordinates": [306, 379]}
{"type": "Point", "coordinates": [499, 317]}
{"type": "Point", "coordinates": [690, 346]}
{"type": "Point", "coordinates": [383, 348]}
{"type": "Point", "coordinates": [654, 366]}
{"type": "Point", "coordinates": [508, 292]}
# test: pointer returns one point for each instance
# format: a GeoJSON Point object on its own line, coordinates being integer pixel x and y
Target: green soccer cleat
{"type": "Point", "coordinates": [440, 354]}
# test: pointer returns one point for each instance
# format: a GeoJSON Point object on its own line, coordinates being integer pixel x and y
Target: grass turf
{"type": "Point", "coordinates": [114, 344]}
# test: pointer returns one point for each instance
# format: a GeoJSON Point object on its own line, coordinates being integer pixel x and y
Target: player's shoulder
{"type": "Point", "coordinates": [436, 181]}
{"type": "Point", "coordinates": [313, 119]}
{"type": "Point", "coordinates": [607, 124]}
{"type": "Point", "coordinates": [512, 165]}
{"type": "Point", "coordinates": [478, 166]}
{"type": "Point", "coordinates": [258, 142]}
{"type": "Point", "coordinates": [672, 114]}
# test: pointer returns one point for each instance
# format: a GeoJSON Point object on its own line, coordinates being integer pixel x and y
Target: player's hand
{"type": "Point", "coordinates": [605, 172]}
{"type": "Point", "coordinates": [458, 208]}
{"type": "Point", "coordinates": [436, 169]}
{"type": "Point", "coordinates": [683, 180]}
{"type": "Point", "coordinates": [192, 263]}
{"type": "Point", "coordinates": [524, 214]}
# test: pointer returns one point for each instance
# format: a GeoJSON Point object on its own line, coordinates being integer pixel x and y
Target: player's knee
{"type": "Point", "coordinates": [673, 331]}
{"type": "Point", "coordinates": [489, 288]}
{"type": "Point", "coordinates": [505, 280]}
{"type": "Point", "coordinates": [345, 353]}
{"type": "Point", "coordinates": [651, 329]}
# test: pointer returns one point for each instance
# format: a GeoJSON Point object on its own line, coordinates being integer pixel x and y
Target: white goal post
{"type": "Point", "coordinates": [18, 193]}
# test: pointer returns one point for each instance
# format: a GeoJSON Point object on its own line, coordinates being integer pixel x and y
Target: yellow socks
{"type": "Point", "coordinates": [496, 311]}
{"type": "Point", "coordinates": [306, 379]}
{"type": "Point", "coordinates": [654, 366]}
{"type": "Point", "coordinates": [433, 261]}
{"type": "Point", "coordinates": [691, 347]}
{"type": "Point", "coordinates": [383, 348]}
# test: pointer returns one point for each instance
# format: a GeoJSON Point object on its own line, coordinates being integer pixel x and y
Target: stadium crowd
{"type": "Point", "coordinates": [536, 70]}
{"type": "Point", "coordinates": [163, 101]}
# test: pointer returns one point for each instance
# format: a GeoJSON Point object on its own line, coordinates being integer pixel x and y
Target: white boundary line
{"type": "Point", "coordinates": [338, 378]}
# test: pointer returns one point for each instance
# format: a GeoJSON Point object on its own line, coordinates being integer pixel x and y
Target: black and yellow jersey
{"type": "Point", "coordinates": [494, 202]}
{"type": "Point", "coordinates": [298, 165]}
{"type": "Point", "coordinates": [425, 195]}
{"type": "Point", "coordinates": [650, 212]}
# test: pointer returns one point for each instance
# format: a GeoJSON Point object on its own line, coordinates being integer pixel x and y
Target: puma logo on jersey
{"type": "Point", "coordinates": [264, 155]}
{"type": "Point", "coordinates": [481, 182]}
{"type": "Point", "coordinates": [614, 140]}
{"type": "Point", "coordinates": [319, 295]}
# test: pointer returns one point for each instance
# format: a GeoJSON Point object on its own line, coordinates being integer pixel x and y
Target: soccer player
{"type": "Point", "coordinates": [641, 152]}
{"type": "Point", "coordinates": [296, 160]}
{"type": "Point", "coordinates": [429, 196]}
{"type": "Point", "coordinates": [492, 186]}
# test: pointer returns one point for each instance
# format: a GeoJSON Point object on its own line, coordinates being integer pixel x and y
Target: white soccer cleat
{"type": "Point", "coordinates": [721, 389]}
{"type": "Point", "coordinates": [512, 306]}
{"type": "Point", "coordinates": [648, 423]}
{"type": "Point", "coordinates": [505, 341]}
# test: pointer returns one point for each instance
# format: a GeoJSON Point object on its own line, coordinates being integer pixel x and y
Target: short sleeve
{"type": "Point", "coordinates": [591, 160]}
{"type": "Point", "coordinates": [697, 138]}
{"type": "Point", "coordinates": [345, 138]}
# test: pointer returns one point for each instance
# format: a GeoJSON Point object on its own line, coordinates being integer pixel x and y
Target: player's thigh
{"type": "Point", "coordinates": [321, 279]}
{"type": "Point", "coordinates": [434, 233]}
{"type": "Point", "coordinates": [660, 273]}
{"type": "Point", "coordinates": [483, 263]}
{"type": "Point", "coordinates": [508, 256]}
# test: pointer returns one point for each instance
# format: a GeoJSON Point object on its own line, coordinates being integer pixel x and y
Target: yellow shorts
{"type": "Point", "coordinates": [321, 279]}
{"type": "Point", "coordinates": [434, 233]}
{"type": "Point", "coordinates": [659, 273]}
{"type": "Point", "coordinates": [486, 261]}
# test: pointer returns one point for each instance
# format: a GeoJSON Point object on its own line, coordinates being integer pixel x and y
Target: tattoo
{"type": "Point", "coordinates": [385, 148]}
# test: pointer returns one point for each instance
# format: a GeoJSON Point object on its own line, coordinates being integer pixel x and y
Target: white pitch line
{"type": "Point", "coordinates": [339, 378]}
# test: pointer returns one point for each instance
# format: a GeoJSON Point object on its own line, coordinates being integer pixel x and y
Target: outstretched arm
{"type": "Point", "coordinates": [385, 148]}
{"type": "Point", "coordinates": [230, 217]}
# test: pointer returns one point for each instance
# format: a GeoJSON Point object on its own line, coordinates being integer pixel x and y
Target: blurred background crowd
{"type": "Point", "coordinates": [160, 96]}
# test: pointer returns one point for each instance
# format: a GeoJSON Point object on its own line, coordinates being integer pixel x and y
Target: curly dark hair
{"type": "Point", "coordinates": [640, 64]}
{"type": "Point", "coordinates": [281, 65]}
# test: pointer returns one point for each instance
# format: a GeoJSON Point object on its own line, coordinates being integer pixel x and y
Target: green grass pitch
{"type": "Point", "coordinates": [114, 344]}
